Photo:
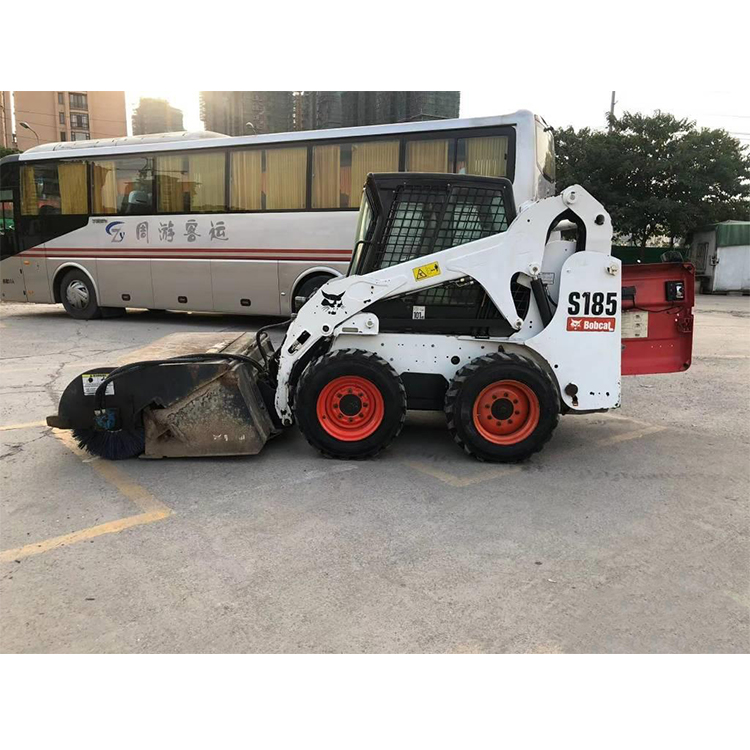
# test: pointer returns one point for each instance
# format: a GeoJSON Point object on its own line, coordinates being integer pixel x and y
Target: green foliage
{"type": "Point", "coordinates": [7, 151]}
{"type": "Point", "coordinates": [657, 176]}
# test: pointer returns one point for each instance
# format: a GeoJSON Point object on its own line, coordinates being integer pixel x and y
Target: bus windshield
{"type": "Point", "coordinates": [545, 151]}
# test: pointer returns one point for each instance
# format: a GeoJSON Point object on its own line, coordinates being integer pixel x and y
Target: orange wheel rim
{"type": "Point", "coordinates": [350, 408]}
{"type": "Point", "coordinates": [506, 412]}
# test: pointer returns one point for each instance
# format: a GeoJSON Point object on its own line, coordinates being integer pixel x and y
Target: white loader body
{"type": "Point", "coordinates": [580, 346]}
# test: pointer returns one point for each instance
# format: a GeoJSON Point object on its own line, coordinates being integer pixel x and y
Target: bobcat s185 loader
{"type": "Point", "coordinates": [452, 302]}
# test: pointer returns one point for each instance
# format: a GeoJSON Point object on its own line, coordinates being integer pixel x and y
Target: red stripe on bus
{"type": "Point", "coordinates": [266, 250]}
{"type": "Point", "coordinates": [183, 257]}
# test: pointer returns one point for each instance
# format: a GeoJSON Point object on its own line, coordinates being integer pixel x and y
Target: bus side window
{"type": "Point", "coordinates": [268, 179]}
{"type": "Point", "coordinates": [54, 188]}
{"type": "Point", "coordinates": [485, 156]}
{"type": "Point", "coordinates": [285, 178]}
{"type": "Point", "coordinates": [340, 170]}
{"type": "Point", "coordinates": [122, 186]}
{"type": "Point", "coordinates": [430, 155]}
{"type": "Point", "coordinates": [193, 183]}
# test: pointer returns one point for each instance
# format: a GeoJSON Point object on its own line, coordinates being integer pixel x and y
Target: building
{"type": "Point", "coordinates": [335, 109]}
{"type": "Point", "coordinates": [281, 111]}
{"type": "Point", "coordinates": [721, 256]}
{"type": "Point", "coordinates": [68, 116]}
{"type": "Point", "coordinates": [156, 116]}
{"type": "Point", "coordinates": [247, 112]}
{"type": "Point", "coordinates": [6, 120]}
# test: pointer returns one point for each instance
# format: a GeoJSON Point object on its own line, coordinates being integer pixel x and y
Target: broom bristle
{"type": "Point", "coordinates": [112, 445]}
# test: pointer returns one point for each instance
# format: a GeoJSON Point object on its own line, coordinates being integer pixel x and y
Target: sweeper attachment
{"type": "Point", "coordinates": [205, 401]}
{"type": "Point", "coordinates": [452, 302]}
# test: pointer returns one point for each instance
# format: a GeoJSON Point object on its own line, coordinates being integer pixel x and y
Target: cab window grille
{"type": "Point", "coordinates": [412, 224]}
{"type": "Point", "coordinates": [424, 220]}
{"type": "Point", "coordinates": [471, 214]}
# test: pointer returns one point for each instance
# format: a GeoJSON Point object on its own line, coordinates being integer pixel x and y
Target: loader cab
{"type": "Point", "coordinates": [408, 216]}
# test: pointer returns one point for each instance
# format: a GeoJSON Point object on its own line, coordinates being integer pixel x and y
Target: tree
{"type": "Point", "coordinates": [657, 176]}
{"type": "Point", "coordinates": [6, 151]}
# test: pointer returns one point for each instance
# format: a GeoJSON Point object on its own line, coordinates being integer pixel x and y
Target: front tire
{"type": "Point", "coordinates": [350, 404]}
{"type": "Point", "coordinates": [79, 296]}
{"type": "Point", "coordinates": [502, 408]}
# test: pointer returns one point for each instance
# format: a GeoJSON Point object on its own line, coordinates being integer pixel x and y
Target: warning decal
{"type": "Point", "coordinates": [92, 382]}
{"type": "Point", "coordinates": [425, 272]}
{"type": "Point", "coordinates": [592, 324]}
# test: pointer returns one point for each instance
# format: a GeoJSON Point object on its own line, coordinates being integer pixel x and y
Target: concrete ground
{"type": "Point", "coordinates": [628, 533]}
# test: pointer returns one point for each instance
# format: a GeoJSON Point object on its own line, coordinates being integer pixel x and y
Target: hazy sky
{"type": "Point", "coordinates": [717, 109]}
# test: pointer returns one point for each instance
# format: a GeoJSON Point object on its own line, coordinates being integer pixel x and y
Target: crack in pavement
{"type": "Point", "coordinates": [16, 448]}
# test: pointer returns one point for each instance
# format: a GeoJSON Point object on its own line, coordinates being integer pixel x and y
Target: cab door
{"type": "Point", "coordinates": [657, 317]}
{"type": "Point", "coordinates": [13, 281]}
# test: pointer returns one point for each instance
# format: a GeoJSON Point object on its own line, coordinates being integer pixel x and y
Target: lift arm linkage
{"type": "Point", "coordinates": [492, 262]}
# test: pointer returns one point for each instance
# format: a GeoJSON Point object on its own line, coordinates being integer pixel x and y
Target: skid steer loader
{"type": "Point", "coordinates": [452, 302]}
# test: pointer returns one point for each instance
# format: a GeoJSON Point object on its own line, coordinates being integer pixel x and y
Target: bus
{"type": "Point", "coordinates": [212, 223]}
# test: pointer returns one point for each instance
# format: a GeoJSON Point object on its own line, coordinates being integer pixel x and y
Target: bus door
{"type": "Point", "coordinates": [13, 282]}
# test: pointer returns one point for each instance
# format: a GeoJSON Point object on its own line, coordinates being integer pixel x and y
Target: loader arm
{"type": "Point", "coordinates": [337, 307]}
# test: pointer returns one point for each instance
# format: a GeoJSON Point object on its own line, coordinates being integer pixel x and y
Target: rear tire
{"type": "Point", "coordinates": [350, 404]}
{"type": "Point", "coordinates": [502, 408]}
{"type": "Point", "coordinates": [79, 296]}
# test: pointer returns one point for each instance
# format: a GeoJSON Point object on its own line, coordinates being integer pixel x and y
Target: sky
{"type": "Point", "coordinates": [714, 109]}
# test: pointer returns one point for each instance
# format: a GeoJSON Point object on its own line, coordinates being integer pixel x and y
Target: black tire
{"type": "Point", "coordinates": [79, 296]}
{"type": "Point", "coordinates": [113, 312]}
{"type": "Point", "coordinates": [306, 289]}
{"type": "Point", "coordinates": [384, 384]}
{"type": "Point", "coordinates": [537, 393]}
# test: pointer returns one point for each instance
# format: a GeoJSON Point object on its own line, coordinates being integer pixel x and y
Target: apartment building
{"type": "Point", "coordinates": [54, 116]}
{"type": "Point", "coordinates": [6, 120]}
{"type": "Point", "coordinates": [156, 116]}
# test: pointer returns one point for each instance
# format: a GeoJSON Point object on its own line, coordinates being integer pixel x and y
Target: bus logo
{"type": "Point", "coordinates": [114, 231]}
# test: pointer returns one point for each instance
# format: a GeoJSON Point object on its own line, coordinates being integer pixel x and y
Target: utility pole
{"type": "Point", "coordinates": [612, 111]}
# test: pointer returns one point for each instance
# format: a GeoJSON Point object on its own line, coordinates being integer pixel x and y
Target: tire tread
{"type": "Point", "coordinates": [324, 362]}
{"type": "Point", "coordinates": [469, 369]}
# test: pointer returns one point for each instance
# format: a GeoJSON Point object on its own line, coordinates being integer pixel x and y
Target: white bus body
{"type": "Point", "coordinates": [239, 252]}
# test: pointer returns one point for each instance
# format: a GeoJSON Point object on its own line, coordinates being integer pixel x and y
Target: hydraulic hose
{"type": "Point", "coordinates": [263, 330]}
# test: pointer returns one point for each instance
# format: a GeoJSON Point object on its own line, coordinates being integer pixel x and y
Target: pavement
{"type": "Point", "coordinates": [628, 533]}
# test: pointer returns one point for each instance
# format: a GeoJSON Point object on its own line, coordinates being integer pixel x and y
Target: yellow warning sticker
{"type": "Point", "coordinates": [425, 272]}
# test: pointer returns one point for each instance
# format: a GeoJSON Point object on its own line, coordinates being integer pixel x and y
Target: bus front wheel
{"type": "Point", "coordinates": [307, 288]}
{"type": "Point", "coordinates": [79, 296]}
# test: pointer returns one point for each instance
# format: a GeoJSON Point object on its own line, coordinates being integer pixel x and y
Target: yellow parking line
{"type": "Point", "coordinates": [139, 495]}
{"type": "Point", "coordinates": [634, 435]}
{"type": "Point", "coordinates": [622, 418]}
{"type": "Point", "coordinates": [151, 508]}
{"type": "Point", "coordinates": [22, 425]}
{"type": "Point", "coordinates": [81, 536]}
{"type": "Point", "coordinates": [486, 475]}
{"type": "Point", "coordinates": [455, 481]}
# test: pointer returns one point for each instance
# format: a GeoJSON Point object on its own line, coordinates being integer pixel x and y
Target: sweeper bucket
{"type": "Point", "coordinates": [187, 395]}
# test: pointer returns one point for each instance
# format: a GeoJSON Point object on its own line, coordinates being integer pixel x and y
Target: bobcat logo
{"type": "Point", "coordinates": [332, 302]}
{"type": "Point", "coordinates": [607, 325]}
